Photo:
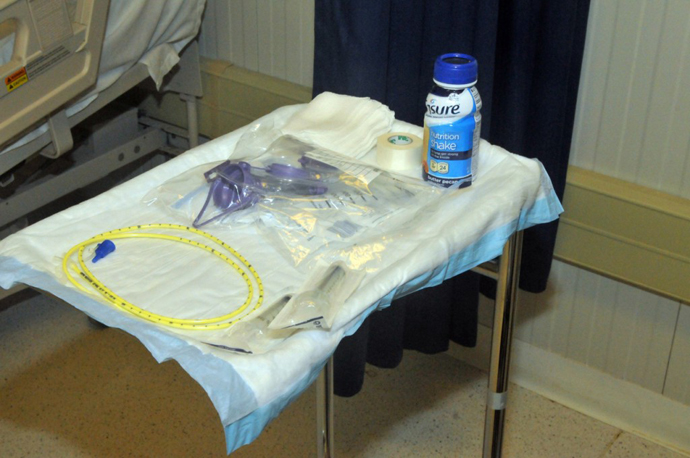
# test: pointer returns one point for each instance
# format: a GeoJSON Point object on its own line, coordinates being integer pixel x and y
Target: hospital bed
{"type": "Point", "coordinates": [64, 64]}
{"type": "Point", "coordinates": [471, 228]}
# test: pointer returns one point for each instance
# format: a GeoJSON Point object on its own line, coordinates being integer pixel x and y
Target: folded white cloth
{"type": "Point", "coordinates": [341, 123]}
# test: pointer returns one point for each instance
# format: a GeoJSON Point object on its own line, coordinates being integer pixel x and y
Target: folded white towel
{"type": "Point", "coordinates": [342, 123]}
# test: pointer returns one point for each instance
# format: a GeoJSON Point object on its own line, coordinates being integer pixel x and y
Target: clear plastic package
{"type": "Point", "coordinates": [316, 303]}
{"type": "Point", "coordinates": [252, 335]}
{"type": "Point", "coordinates": [311, 203]}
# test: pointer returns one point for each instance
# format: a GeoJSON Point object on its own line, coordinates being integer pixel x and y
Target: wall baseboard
{"type": "Point", "coordinates": [591, 392]}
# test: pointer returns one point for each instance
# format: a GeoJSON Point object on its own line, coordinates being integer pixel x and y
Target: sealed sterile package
{"type": "Point", "coordinates": [347, 222]}
{"type": "Point", "coordinates": [286, 174]}
{"type": "Point", "coordinates": [317, 302]}
{"type": "Point", "coordinates": [355, 201]}
{"type": "Point", "coordinates": [309, 202]}
{"type": "Point", "coordinates": [198, 199]}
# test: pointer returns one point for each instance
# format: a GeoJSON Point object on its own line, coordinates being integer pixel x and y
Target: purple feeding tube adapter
{"type": "Point", "coordinates": [238, 185]}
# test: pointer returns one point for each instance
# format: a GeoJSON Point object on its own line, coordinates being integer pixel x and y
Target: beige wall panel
{"type": "Point", "coordinates": [207, 39]}
{"type": "Point", "coordinates": [591, 94]}
{"type": "Point", "coordinates": [220, 10]}
{"type": "Point", "coordinates": [616, 328]}
{"type": "Point", "coordinates": [276, 53]}
{"type": "Point", "coordinates": [618, 100]}
{"type": "Point", "coordinates": [678, 378]}
{"type": "Point", "coordinates": [274, 38]}
{"type": "Point", "coordinates": [633, 106]}
{"type": "Point", "coordinates": [232, 39]}
{"type": "Point", "coordinates": [233, 97]}
{"type": "Point", "coordinates": [251, 36]}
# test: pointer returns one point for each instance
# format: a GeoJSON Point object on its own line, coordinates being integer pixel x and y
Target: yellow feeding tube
{"type": "Point", "coordinates": [224, 252]}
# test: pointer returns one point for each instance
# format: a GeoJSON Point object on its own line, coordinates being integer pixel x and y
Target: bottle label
{"type": "Point", "coordinates": [451, 134]}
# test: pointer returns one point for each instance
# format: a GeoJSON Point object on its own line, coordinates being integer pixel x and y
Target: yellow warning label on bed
{"type": "Point", "coordinates": [16, 79]}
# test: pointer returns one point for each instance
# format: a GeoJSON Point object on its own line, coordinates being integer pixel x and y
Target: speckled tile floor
{"type": "Point", "coordinates": [68, 388]}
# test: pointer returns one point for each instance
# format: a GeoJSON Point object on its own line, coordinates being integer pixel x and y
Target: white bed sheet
{"type": "Point", "coordinates": [469, 226]}
{"type": "Point", "coordinates": [151, 32]}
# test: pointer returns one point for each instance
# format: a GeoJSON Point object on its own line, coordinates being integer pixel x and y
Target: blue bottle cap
{"type": "Point", "coordinates": [455, 69]}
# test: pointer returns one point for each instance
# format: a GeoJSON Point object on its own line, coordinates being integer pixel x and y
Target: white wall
{"type": "Point", "coordinates": [607, 325]}
{"type": "Point", "coordinates": [633, 119]}
{"type": "Point", "coordinates": [632, 122]}
{"type": "Point", "coordinates": [272, 37]}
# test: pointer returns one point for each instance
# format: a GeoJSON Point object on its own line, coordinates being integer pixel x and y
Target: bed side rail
{"type": "Point", "coordinates": [54, 56]}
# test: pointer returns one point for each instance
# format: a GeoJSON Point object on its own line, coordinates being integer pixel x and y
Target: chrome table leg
{"type": "Point", "coordinates": [508, 274]}
{"type": "Point", "coordinates": [324, 411]}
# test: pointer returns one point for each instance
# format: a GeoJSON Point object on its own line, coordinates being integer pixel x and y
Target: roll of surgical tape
{"type": "Point", "coordinates": [399, 151]}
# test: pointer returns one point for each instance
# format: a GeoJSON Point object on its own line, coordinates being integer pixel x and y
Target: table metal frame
{"type": "Point", "coordinates": [506, 272]}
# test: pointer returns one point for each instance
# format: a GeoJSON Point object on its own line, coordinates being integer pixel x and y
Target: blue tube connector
{"type": "Point", "coordinates": [103, 249]}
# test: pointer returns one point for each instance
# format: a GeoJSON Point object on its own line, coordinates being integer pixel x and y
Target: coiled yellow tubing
{"type": "Point", "coordinates": [219, 322]}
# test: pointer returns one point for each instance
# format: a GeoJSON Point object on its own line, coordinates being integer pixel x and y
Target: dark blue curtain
{"type": "Point", "coordinates": [529, 54]}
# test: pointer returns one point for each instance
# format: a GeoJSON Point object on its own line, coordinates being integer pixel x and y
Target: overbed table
{"type": "Point", "coordinates": [481, 231]}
